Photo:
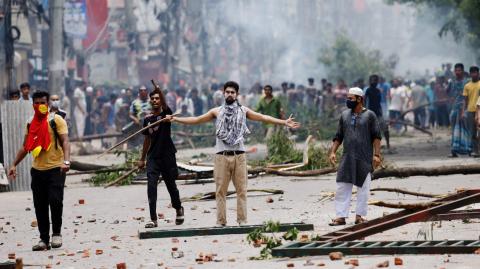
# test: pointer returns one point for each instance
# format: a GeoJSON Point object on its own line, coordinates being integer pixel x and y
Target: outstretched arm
{"type": "Point", "coordinates": [252, 115]}
{"type": "Point", "coordinates": [210, 115]}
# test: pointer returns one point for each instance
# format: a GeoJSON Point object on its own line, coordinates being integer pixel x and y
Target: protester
{"type": "Point", "coordinates": [230, 161]}
{"type": "Point", "coordinates": [159, 153]}
{"type": "Point", "coordinates": [55, 106]}
{"type": "Point", "coordinates": [80, 110]}
{"type": "Point", "coordinates": [25, 91]}
{"type": "Point", "coordinates": [359, 131]}
{"type": "Point", "coordinates": [459, 142]}
{"type": "Point", "coordinates": [47, 140]}
{"type": "Point", "coordinates": [471, 92]}
{"type": "Point", "coordinates": [373, 101]}
{"type": "Point", "coordinates": [271, 106]}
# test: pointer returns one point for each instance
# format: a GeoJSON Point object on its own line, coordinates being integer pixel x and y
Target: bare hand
{"type": "Point", "coordinates": [290, 123]}
{"type": "Point", "coordinates": [12, 173]}
{"type": "Point", "coordinates": [141, 164]}
{"type": "Point", "coordinates": [137, 121]}
{"type": "Point", "coordinates": [333, 158]}
{"type": "Point", "coordinates": [64, 168]}
{"type": "Point", "coordinates": [376, 162]}
{"type": "Point", "coordinates": [169, 118]}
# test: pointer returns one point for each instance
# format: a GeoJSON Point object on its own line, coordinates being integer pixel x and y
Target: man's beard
{"type": "Point", "coordinates": [229, 101]}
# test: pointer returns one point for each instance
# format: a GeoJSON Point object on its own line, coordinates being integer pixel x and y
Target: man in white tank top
{"type": "Point", "coordinates": [230, 162]}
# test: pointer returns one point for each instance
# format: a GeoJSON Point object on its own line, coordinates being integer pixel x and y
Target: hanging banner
{"type": "Point", "coordinates": [97, 32]}
{"type": "Point", "coordinates": [75, 18]}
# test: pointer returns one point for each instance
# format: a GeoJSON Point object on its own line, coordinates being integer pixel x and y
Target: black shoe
{"type": "Point", "coordinates": [453, 155]}
{"type": "Point", "coordinates": [475, 155]}
{"type": "Point", "coordinates": [180, 216]}
{"type": "Point", "coordinates": [41, 246]}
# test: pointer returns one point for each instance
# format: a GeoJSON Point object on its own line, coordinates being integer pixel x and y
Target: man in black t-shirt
{"type": "Point", "coordinates": [160, 151]}
{"type": "Point", "coordinates": [373, 99]}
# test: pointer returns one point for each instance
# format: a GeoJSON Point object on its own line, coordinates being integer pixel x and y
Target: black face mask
{"type": "Point", "coordinates": [229, 101]}
{"type": "Point", "coordinates": [351, 103]}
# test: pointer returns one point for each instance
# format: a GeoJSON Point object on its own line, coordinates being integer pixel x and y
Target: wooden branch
{"type": "Point", "coordinates": [79, 166]}
{"type": "Point", "coordinates": [423, 130]}
{"type": "Point", "coordinates": [307, 173]}
{"type": "Point", "coordinates": [429, 195]}
{"type": "Point", "coordinates": [211, 195]}
{"type": "Point", "coordinates": [121, 178]}
{"type": "Point", "coordinates": [424, 105]}
{"type": "Point", "coordinates": [404, 206]}
{"type": "Point", "coordinates": [427, 171]}
{"type": "Point", "coordinates": [96, 136]}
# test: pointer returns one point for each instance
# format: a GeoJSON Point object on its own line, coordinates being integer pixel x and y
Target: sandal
{"type": "Point", "coordinates": [151, 224]}
{"type": "Point", "coordinates": [359, 220]}
{"type": "Point", "coordinates": [337, 222]}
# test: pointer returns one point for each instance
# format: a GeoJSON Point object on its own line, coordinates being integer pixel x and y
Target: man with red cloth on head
{"type": "Point", "coordinates": [47, 139]}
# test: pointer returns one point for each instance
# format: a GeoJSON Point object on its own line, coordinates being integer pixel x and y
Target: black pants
{"type": "Point", "coordinates": [442, 115]}
{"type": "Point", "coordinates": [166, 166]}
{"type": "Point", "coordinates": [47, 188]}
{"type": "Point", "coordinates": [419, 117]}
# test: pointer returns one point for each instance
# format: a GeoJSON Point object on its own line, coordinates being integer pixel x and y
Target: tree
{"type": "Point", "coordinates": [346, 60]}
{"type": "Point", "coordinates": [463, 17]}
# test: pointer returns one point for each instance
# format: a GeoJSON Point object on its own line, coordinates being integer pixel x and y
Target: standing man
{"type": "Point", "coordinates": [459, 143]}
{"type": "Point", "coordinates": [230, 162]}
{"type": "Point", "coordinates": [139, 108]}
{"type": "Point", "coordinates": [55, 106]}
{"type": "Point", "coordinates": [271, 106]}
{"type": "Point", "coordinates": [47, 140]}
{"type": "Point", "coordinates": [80, 110]}
{"type": "Point", "coordinates": [373, 101]}
{"type": "Point", "coordinates": [25, 91]}
{"type": "Point", "coordinates": [160, 151]}
{"type": "Point", "coordinates": [471, 92]}
{"type": "Point", "coordinates": [359, 131]}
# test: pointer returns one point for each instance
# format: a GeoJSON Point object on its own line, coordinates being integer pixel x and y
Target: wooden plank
{"type": "Point", "coordinates": [146, 234]}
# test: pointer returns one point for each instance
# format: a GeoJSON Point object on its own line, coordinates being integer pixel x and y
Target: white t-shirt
{"type": "Point", "coordinates": [79, 95]}
{"type": "Point", "coordinates": [399, 96]}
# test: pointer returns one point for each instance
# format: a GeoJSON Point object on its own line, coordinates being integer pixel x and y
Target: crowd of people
{"type": "Point", "coordinates": [446, 100]}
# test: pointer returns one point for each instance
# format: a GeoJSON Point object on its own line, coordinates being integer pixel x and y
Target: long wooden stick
{"type": "Point", "coordinates": [405, 206]}
{"type": "Point", "coordinates": [122, 177]}
{"type": "Point", "coordinates": [402, 191]}
{"type": "Point", "coordinates": [134, 134]}
{"type": "Point", "coordinates": [211, 195]}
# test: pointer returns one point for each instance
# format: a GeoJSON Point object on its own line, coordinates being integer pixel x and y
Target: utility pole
{"type": "Point", "coordinates": [56, 80]}
{"type": "Point", "coordinates": [8, 47]}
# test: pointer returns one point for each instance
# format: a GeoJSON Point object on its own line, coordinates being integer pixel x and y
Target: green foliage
{"type": "Point", "coordinates": [463, 17]}
{"type": "Point", "coordinates": [259, 237]}
{"type": "Point", "coordinates": [346, 60]}
{"type": "Point", "coordinates": [131, 157]}
{"type": "Point", "coordinates": [281, 149]}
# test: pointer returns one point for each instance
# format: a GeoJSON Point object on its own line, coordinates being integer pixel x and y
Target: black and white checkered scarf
{"type": "Point", "coordinates": [232, 124]}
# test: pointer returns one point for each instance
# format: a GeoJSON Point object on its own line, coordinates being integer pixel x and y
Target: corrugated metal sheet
{"type": "Point", "coordinates": [14, 116]}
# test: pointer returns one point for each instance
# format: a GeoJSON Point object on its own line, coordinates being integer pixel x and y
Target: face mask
{"type": "Point", "coordinates": [229, 100]}
{"type": "Point", "coordinates": [55, 104]}
{"type": "Point", "coordinates": [351, 103]}
{"type": "Point", "coordinates": [40, 110]}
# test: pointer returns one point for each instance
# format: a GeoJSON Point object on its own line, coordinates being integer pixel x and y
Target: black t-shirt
{"type": "Point", "coordinates": [160, 135]}
{"type": "Point", "coordinates": [373, 97]}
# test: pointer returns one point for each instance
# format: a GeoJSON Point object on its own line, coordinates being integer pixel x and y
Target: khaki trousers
{"type": "Point", "coordinates": [232, 168]}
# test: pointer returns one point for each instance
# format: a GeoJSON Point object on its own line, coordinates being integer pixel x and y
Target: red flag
{"type": "Point", "coordinates": [97, 16]}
